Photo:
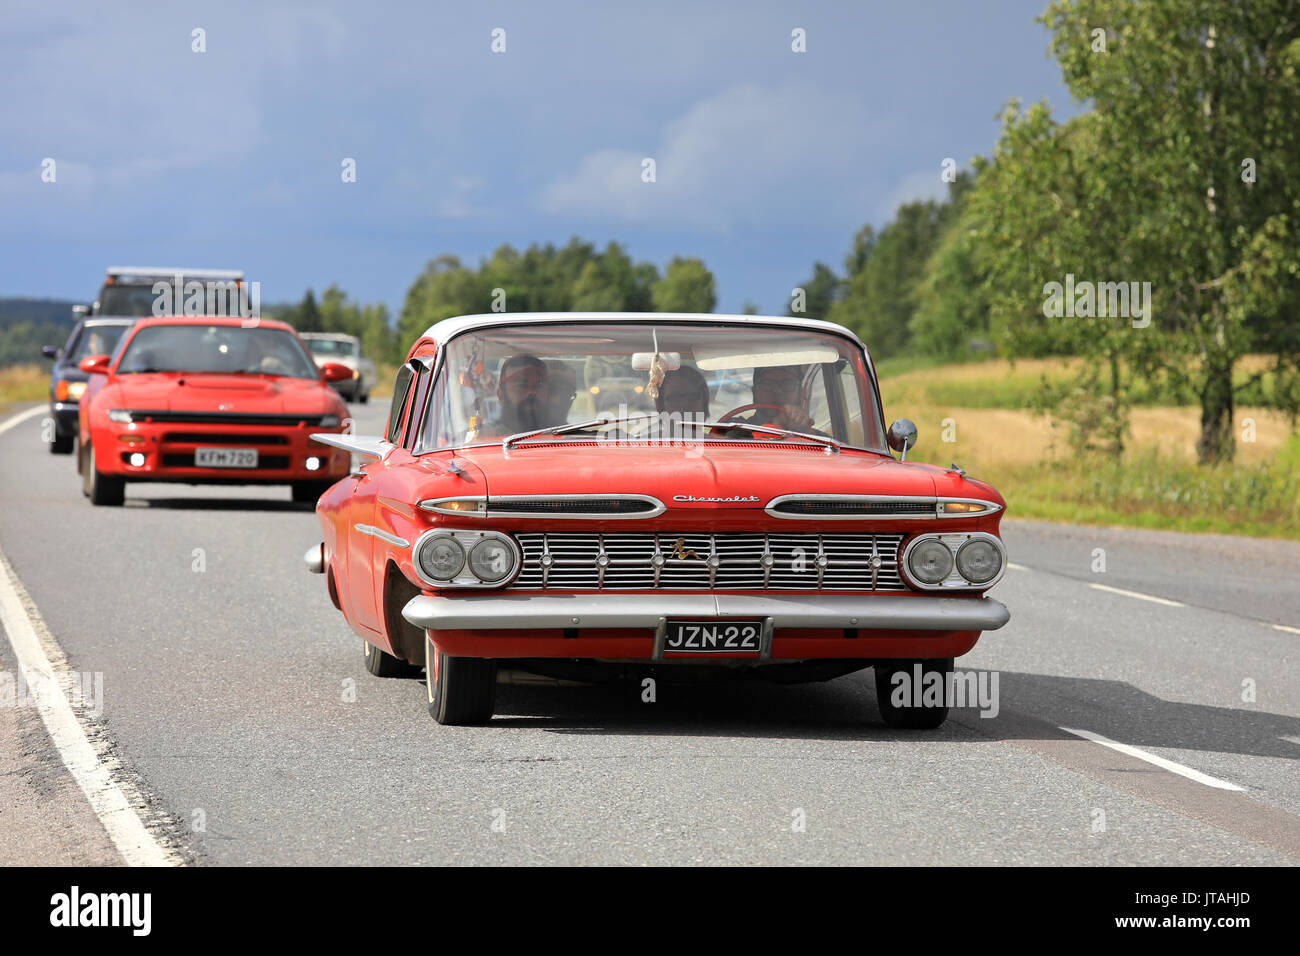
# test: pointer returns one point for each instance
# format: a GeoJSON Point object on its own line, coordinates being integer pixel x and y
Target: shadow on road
{"type": "Point", "coordinates": [220, 504]}
{"type": "Point", "coordinates": [1031, 706]}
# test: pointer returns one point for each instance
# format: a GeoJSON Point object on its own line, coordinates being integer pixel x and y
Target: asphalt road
{"type": "Point", "coordinates": [238, 706]}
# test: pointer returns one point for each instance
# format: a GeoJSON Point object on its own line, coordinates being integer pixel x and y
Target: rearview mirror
{"type": "Point", "coordinates": [95, 364]}
{"type": "Point", "coordinates": [641, 361]}
{"type": "Point", "coordinates": [902, 436]}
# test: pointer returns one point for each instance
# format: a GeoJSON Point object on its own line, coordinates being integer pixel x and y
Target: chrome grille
{"type": "Point", "coordinates": [616, 561]}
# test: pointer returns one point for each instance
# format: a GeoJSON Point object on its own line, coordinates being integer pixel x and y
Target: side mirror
{"type": "Point", "coordinates": [50, 351]}
{"type": "Point", "coordinates": [95, 364]}
{"type": "Point", "coordinates": [335, 372]}
{"type": "Point", "coordinates": [902, 436]}
{"type": "Point", "coordinates": [79, 312]}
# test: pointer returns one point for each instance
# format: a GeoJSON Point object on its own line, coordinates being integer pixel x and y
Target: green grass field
{"type": "Point", "coordinates": [980, 416]}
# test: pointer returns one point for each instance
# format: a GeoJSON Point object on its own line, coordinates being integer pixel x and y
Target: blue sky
{"type": "Point", "coordinates": [766, 159]}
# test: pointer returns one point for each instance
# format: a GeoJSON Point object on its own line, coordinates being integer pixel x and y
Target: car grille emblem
{"type": "Point", "coordinates": [683, 555]}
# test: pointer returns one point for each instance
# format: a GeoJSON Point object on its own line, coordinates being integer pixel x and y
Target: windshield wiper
{"type": "Point", "coordinates": [573, 427]}
{"type": "Point", "coordinates": [830, 443]}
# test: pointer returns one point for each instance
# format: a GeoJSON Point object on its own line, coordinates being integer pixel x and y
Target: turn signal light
{"type": "Point", "coordinates": [962, 507]}
{"type": "Point", "coordinates": [61, 391]}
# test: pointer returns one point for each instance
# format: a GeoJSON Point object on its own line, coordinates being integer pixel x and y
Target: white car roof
{"type": "Point", "coordinates": [442, 331]}
{"type": "Point", "coordinates": [171, 271]}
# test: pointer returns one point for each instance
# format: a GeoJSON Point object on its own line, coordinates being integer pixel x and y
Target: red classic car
{"type": "Point", "coordinates": [208, 399]}
{"type": "Point", "coordinates": [511, 517]}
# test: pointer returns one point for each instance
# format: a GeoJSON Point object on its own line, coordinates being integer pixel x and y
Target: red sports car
{"type": "Point", "coordinates": [516, 516]}
{"type": "Point", "coordinates": [209, 399]}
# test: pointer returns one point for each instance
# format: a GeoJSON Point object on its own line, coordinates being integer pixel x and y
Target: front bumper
{"type": "Point", "coordinates": [65, 417]}
{"type": "Point", "coordinates": [169, 452]}
{"type": "Point", "coordinates": [891, 613]}
{"type": "Point", "coordinates": [632, 626]}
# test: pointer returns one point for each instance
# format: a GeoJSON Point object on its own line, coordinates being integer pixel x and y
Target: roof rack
{"type": "Point", "coordinates": [170, 271]}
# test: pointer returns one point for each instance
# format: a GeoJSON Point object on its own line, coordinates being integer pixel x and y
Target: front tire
{"type": "Point", "coordinates": [100, 488]}
{"type": "Point", "coordinates": [902, 703]}
{"type": "Point", "coordinates": [461, 690]}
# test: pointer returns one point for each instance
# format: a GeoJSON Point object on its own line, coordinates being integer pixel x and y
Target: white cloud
{"type": "Point", "coordinates": [748, 155]}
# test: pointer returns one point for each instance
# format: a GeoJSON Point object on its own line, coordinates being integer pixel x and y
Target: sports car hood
{"type": "Point", "coordinates": [201, 391]}
{"type": "Point", "coordinates": [723, 476]}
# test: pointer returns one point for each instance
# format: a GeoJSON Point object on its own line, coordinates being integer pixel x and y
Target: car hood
{"type": "Point", "coordinates": [723, 476]}
{"type": "Point", "coordinates": [193, 391]}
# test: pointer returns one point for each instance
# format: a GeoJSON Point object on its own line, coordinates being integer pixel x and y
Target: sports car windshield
{"type": "Point", "coordinates": [216, 348]}
{"type": "Point", "coordinates": [670, 378]}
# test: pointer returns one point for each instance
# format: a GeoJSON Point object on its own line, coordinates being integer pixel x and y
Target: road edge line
{"type": "Point", "coordinates": [21, 417]}
{"type": "Point", "coordinates": [107, 793]}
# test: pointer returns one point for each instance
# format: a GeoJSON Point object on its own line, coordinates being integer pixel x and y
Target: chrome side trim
{"type": "Point", "coordinates": [380, 533]}
{"type": "Point", "coordinates": [506, 612]}
{"type": "Point", "coordinates": [934, 503]}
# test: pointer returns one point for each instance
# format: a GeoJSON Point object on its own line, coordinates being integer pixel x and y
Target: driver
{"type": "Point", "coordinates": [525, 398]}
{"type": "Point", "coordinates": [780, 386]}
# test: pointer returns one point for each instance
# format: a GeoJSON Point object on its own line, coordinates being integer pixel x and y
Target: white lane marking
{"type": "Point", "coordinates": [21, 622]}
{"type": "Point", "coordinates": [1136, 594]}
{"type": "Point", "coordinates": [1161, 762]}
{"type": "Point", "coordinates": [1016, 567]}
{"type": "Point", "coordinates": [1283, 627]}
{"type": "Point", "coordinates": [21, 417]}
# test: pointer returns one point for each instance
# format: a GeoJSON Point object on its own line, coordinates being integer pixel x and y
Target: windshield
{"type": "Point", "coordinates": [96, 340]}
{"type": "Point", "coordinates": [503, 381]}
{"type": "Point", "coordinates": [138, 299]}
{"type": "Point", "coordinates": [216, 348]}
{"type": "Point", "coordinates": [331, 347]}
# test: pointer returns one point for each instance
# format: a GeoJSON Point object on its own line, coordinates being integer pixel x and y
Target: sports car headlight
{"type": "Point", "coordinates": [979, 561]}
{"type": "Point", "coordinates": [491, 560]}
{"type": "Point", "coordinates": [440, 558]}
{"type": "Point", "coordinates": [930, 561]}
{"type": "Point", "coordinates": [119, 415]}
{"type": "Point", "coordinates": [329, 421]}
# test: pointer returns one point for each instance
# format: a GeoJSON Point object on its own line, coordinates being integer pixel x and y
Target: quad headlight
{"type": "Point", "coordinates": [954, 560]}
{"type": "Point", "coordinates": [441, 558]}
{"type": "Point", "coordinates": [491, 560]}
{"type": "Point", "coordinates": [447, 558]}
{"type": "Point", "coordinates": [930, 561]}
{"type": "Point", "coordinates": [979, 561]}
